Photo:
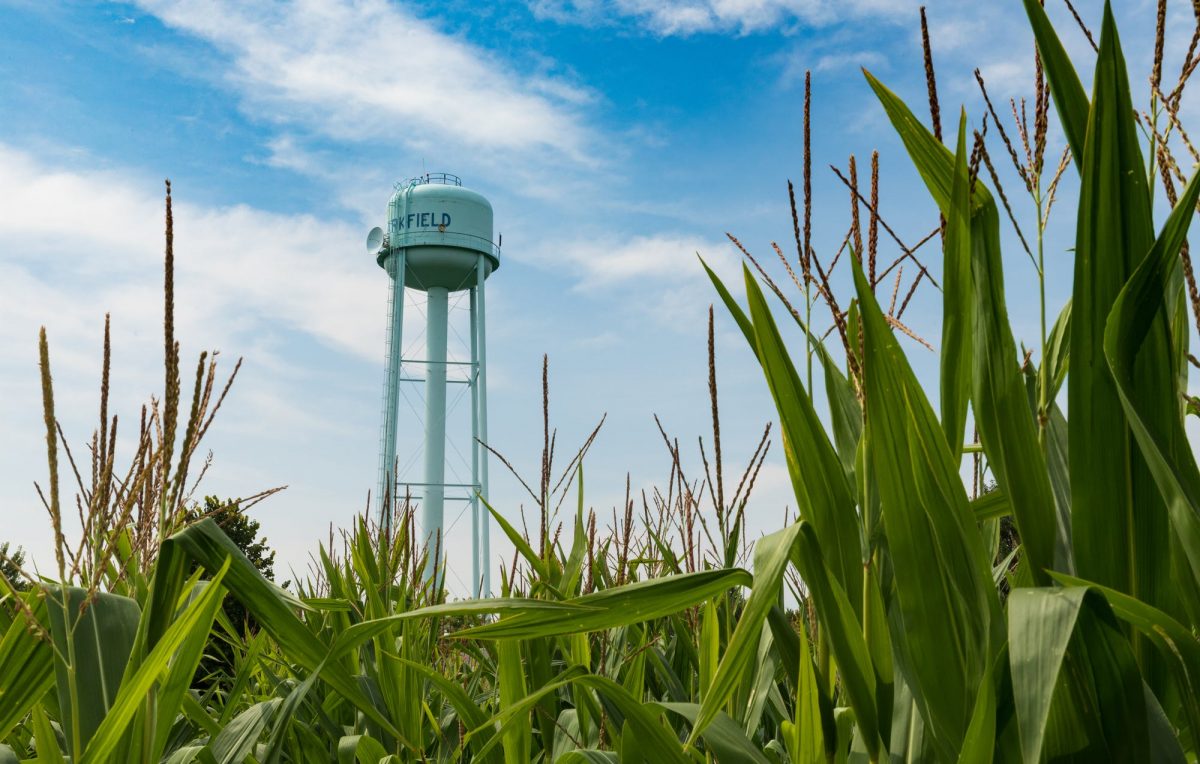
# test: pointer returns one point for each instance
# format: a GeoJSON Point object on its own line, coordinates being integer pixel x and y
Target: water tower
{"type": "Point", "coordinates": [438, 241]}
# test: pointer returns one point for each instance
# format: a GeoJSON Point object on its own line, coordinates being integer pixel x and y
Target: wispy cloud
{"type": "Point", "coordinates": [375, 71]}
{"type": "Point", "coordinates": [242, 267]}
{"type": "Point", "coordinates": [687, 17]}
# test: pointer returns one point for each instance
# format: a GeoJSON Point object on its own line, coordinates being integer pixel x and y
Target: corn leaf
{"type": "Point", "coordinates": [1119, 525]}
{"type": "Point", "coordinates": [102, 634]}
{"type": "Point", "coordinates": [1137, 313]}
{"type": "Point", "coordinates": [617, 606]}
{"type": "Point", "coordinates": [823, 496]}
{"type": "Point", "coordinates": [998, 397]}
{"type": "Point", "coordinates": [26, 665]}
{"type": "Point", "coordinates": [945, 616]}
{"type": "Point", "coordinates": [957, 301]}
{"type": "Point", "coordinates": [134, 689]}
{"type": "Point", "coordinates": [723, 738]}
{"type": "Point", "coordinates": [1069, 97]}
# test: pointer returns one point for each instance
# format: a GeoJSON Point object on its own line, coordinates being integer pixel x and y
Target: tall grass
{"type": "Point", "coordinates": [651, 640]}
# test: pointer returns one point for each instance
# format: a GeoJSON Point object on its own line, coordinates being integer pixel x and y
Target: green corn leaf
{"type": "Point", "coordinates": [980, 742]}
{"type": "Point", "coordinates": [272, 607]}
{"type": "Point", "coordinates": [771, 554]}
{"type": "Point", "coordinates": [360, 749]}
{"type": "Point", "coordinates": [859, 677]}
{"type": "Point", "coordinates": [179, 680]}
{"type": "Point", "coordinates": [957, 301]}
{"type": "Point", "coordinates": [517, 738]}
{"type": "Point", "coordinates": [1101, 692]}
{"type": "Point", "coordinates": [470, 713]}
{"type": "Point", "coordinates": [1069, 97]}
{"type": "Point", "coordinates": [654, 738]}
{"type": "Point", "coordinates": [276, 740]}
{"type": "Point", "coordinates": [102, 632]}
{"type": "Point", "coordinates": [26, 665]}
{"type": "Point", "coordinates": [1137, 313]}
{"type": "Point", "coordinates": [1120, 528]}
{"type": "Point", "coordinates": [1058, 354]}
{"type": "Point", "coordinates": [1176, 643]}
{"type": "Point", "coordinates": [823, 496]}
{"type": "Point", "coordinates": [237, 740]}
{"type": "Point", "coordinates": [197, 616]}
{"type": "Point", "coordinates": [45, 739]}
{"type": "Point", "coordinates": [710, 647]}
{"type": "Point", "coordinates": [946, 633]}
{"type": "Point", "coordinates": [735, 310]}
{"type": "Point", "coordinates": [618, 606]}
{"type": "Point", "coordinates": [808, 746]}
{"type": "Point", "coordinates": [998, 396]}
{"type": "Point", "coordinates": [533, 558]}
{"type": "Point", "coordinates": [588, 757]}
{"type": "Point", "coordinates": [723, 737]}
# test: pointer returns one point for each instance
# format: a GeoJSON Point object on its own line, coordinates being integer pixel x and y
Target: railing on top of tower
{"type": "Point", "coordinates": [436, 178]}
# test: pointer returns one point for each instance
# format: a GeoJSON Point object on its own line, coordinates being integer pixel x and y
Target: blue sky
{"type": "Point", "coordinates": [615, 138]}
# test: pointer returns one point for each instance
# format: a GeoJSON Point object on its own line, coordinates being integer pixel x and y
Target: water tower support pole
{"type": "Point", "coordinates": [435, 429]}
{"type": "Point", "coordinates": [385, 496]}
{"type": "Point", "coordinates": [476, 582]}
{"type": "Point", "coordinates": [484, 515]}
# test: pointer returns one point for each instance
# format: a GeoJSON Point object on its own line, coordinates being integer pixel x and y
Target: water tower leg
{"type": "Point", "coordinates": [435, 429]}
{"type": "Point", "coordinates": [476, 582]}
{"type": "Point", "coordinates": [385, 494]}
{"type": "Point", "coordinates": [484, 515]}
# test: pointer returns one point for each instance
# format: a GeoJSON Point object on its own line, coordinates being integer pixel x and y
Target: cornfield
{"type": "Point", "coordinates": [1044, 607]}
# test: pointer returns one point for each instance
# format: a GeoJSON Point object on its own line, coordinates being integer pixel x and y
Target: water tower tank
{"type": "Point", "coordinates": [443, 228]}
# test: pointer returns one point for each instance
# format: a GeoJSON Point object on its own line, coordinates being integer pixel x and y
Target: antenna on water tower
{"type": "Point", "coordinates": [439, 241]}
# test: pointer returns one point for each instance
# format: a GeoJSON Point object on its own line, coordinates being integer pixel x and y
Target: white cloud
{"type": "Point", "coordinates": [687, 17]}
{"type": "Point", "coordinates": [372, 70]}
{"type": "Point", "coordinates": [659, 257]}
{"type": "Point", "coordinates": [97, 233]}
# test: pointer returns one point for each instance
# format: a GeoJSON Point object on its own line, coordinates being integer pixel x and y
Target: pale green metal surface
{"type": "Point", "coordinates": [443, 228]}
{"type": "Point", "coordinates": [439, 241]}
{"type": "Point", "coordinates": [482, 530]}
{"type": "Point", "coordinates": [433, 504]}
{"type": "Point", "coordinates": [385, 493]}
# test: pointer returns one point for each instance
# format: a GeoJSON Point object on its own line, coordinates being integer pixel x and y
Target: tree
{"type": "Point", "coordinates": [11, 564]}
{"type": "Point", "coordinates": [243, 531]}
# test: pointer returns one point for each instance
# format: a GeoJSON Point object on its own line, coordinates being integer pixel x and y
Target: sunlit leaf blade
{"type": "Point", "coordinates": [1070, 99]}
{"type": "Point", "coordinates": [846, 641]}
{"type": "Point", "coordinates": [26, 665]}
{"type": "Point", "coordinates": [823, 496]}
{"type": "Point", "coordinates": [1052, 628]}
{"type": "Point", "coordinates": [237, 739]}
{"type": "Point", "coordinates": [723, 738]}
{"type": "Point", "coordinates": [957, 301]}
{"type": "Point", "coordinates": [998, 397]}
{"type": "Point", "coordinates": [102, 631]}
{"type": "Point", "coordinates": [45, 739]}
{"type": "Point", "coordinates": [1120, 528]}
{"type": "Point", "coordinates": [616, 606]}
{"type": "Point", "coordinates": [946, 623]}
{"type": "Point", "coordinates": [771, 556]}
{"type": "Point", "coordinates": [272, 607]}
{"type": "Point", "coordinates": [197, 616]}
{"type": "Point", "coordinates": [1176, 644]}
{"type": "Point", "coordinates": [1138, 313]}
